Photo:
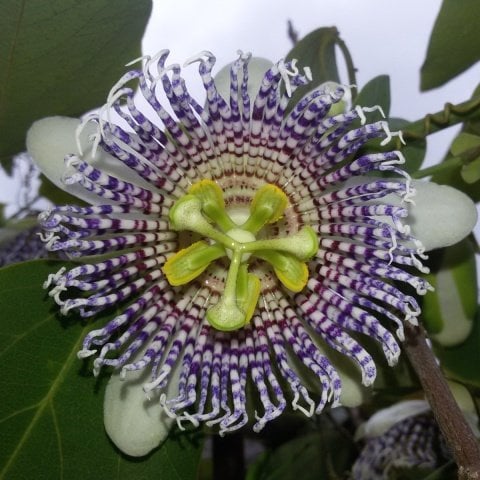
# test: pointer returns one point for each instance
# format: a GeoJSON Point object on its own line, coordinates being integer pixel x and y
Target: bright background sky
{"type": "Point", "coordinates": [384, 37]}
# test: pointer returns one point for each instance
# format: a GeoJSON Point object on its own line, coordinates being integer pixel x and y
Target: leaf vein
{"type": "Point", "coordinates": [43, 404]}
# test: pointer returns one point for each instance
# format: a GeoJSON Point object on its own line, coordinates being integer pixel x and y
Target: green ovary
{"type": "Point", "coordinates": [202, 211]}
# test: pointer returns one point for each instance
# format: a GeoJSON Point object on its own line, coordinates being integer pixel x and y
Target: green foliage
{"type": "Point", "coordinates": [326, 453]}
{"type": "Point", "coordinates": [51, 413]}
{"type": "Point", "coordinates": [466, 146]}
{"type": "Point", "coordinates": [55, 195]}
{"type": "Point", "coordinates": [453, 45]}
{"type": "Point", "coordinates": [414, 150]}
{"type": "Point", "coordinates": [445, 472]}
{"type": "Point", "coordinates": [461, 361]}
{"type": "Point", "coordinates": [317, 51]}
{"type": "Point", "coordinates": [61, 58]}
{"type": "Point", "coordinates": [453, 304]}
{"type": "Point", "coordinates": [375, 92]}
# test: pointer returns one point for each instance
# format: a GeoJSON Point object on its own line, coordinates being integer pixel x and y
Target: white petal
{"type": "Point", "coordinates": [384, 419]}
{"type": "Point", "coordinates": [257, 67]}
{"type": "Point", "coordinates": [50, 139]}
{"type": "Point", "coordinates": [441, 216]}
{"type": "Point", "coordinates": [135, 424]}
{"type": "Point", "coordinates": [354, 394]}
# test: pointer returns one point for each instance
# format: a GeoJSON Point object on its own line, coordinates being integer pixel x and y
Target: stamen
{"type": "Point", "coordinates": [245, 245]}
{"type": "Point", "coordinates": [203, 204]}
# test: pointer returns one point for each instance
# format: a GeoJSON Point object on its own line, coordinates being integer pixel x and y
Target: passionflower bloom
{"type": "Point", "coordinates": [405, 435]}
{"type": "Point", "coordinates": [20, 244]}
{"type": "Point", "coordinates": [242, 240]}
{"type": "Point", "coordinates": [413, 442]}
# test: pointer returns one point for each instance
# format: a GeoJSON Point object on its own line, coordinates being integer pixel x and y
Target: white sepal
{"type": "Point", "coordinates": [441, 215]}
{"type": "Point", "coordinates": [135, 424]}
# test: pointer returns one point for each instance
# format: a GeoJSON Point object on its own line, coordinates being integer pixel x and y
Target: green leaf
{"type": "Point", "coordinates": [56, 195]}
{"type": "Point", "coordinates": [375, 92]}
{"type": "Point", "coordinates": [446, 472]}
{"type": "Point", "coordinates": [51, 413]}
{"type": "Point", "coordinates": [317, 51]}
{"type": "Point", "coordinates": [414, 150]}
{"type": "Point", "coordinates": [452, 172]}
{"type": "Point", "coordinates": [448, 312]}
{"type": "Point", "coordinates": [453, 45]}
{"type": "Point", "coordinates": [461, 362]}
{"type": "Point", "coordinates": [464, 142]}
{"type": "Point", "coordinates": [61, 58]}
{"type": "Point", "coordinates": [325, 454]}
{"type": "Point", "coordinates": [467, 147]}
{"type": "Point", "coordinates": [471, 172]}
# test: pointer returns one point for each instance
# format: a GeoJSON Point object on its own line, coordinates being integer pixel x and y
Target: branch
{"type": "Point", "coordinates": [449, 116]}
{"type": "Point", "coordinates": [456, 431]}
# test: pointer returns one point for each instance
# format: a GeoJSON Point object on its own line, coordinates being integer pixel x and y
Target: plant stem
{"type": "Point", "coordinates": [456, 431]}
{"type": "Point", "coordinates": [449, 116]}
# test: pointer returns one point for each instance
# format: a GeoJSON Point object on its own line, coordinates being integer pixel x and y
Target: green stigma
{"type": "Point", "coordinates": [202, 211]}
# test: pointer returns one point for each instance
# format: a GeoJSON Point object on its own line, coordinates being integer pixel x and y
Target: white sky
{"type": "Point", "coordinates": [384, 37]}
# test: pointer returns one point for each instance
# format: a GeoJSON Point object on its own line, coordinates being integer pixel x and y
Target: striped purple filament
{"type": "Point", "coordinates": [365, 252]}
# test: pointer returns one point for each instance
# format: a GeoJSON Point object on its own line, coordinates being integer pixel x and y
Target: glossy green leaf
{"type": "Point", "coordinates": [471, 172]}
{"type": "Point", "coordinates": [453, 45]}
{"type": "Point", "coordinates": [461, 362]}
{"type": "Point", "coordinates": [325, 454]}
{"type": "Point", "coordinates": [447, 472]}
{"type": "Point", "coordinates": [451, 174]}
{"type": "Point", "coordinates": [316, 51]}
{"type": "Point", "coordinates": [375, 92]}
{"type": "Point", "coordinates": [463, 143]}
{"type": "Point", "coordinates": [414, 150]}
{"type": "Point", "coordinates": [56, 195]}
{"type": "Point", "coordinates": [61, 58]}
{"type": "Point", "coordinates": [51, 413]}
{"type": "Point", "coordinates": [467, 147]}
{"type": "Point", "coordinates": [448, 312]}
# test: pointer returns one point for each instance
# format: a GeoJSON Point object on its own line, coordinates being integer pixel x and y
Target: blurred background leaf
{"type": "Point", "coordinates": [375, 92]}
{"type": "Point", "coordinates": [326, 454]}
{"type": "Point", "coordinates": [321, 449]}
{"type": "Point", "coordinates": [461, 157]}
{"type": "Point", "coordinates": [449, 311]}
{"type": "Point", "coordinates": [51, 413]}
{"type": "Point", "coordinates": [453, 45]}
{"type": "Point", "coordinates": [317, 51]}
{"type": "Point", "coordinates": [60, 57]}
{"type": "Point", "coordinates": [461, 361]}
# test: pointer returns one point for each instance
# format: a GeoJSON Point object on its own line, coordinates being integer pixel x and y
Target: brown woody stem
{"type": "Point", "coordinates": [456, 431]}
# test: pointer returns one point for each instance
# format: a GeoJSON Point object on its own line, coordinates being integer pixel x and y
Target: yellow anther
{"type": "Point", "coordinates": [213, 204]}
{"type": "Point", "coordinates": [292, 272]}
{"type": "Point", "coordinates": [189, 263]}
{"type": "Point", "coordinates": [208, 190]}
{"type": "Point", "coordinates": [268, 206]}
